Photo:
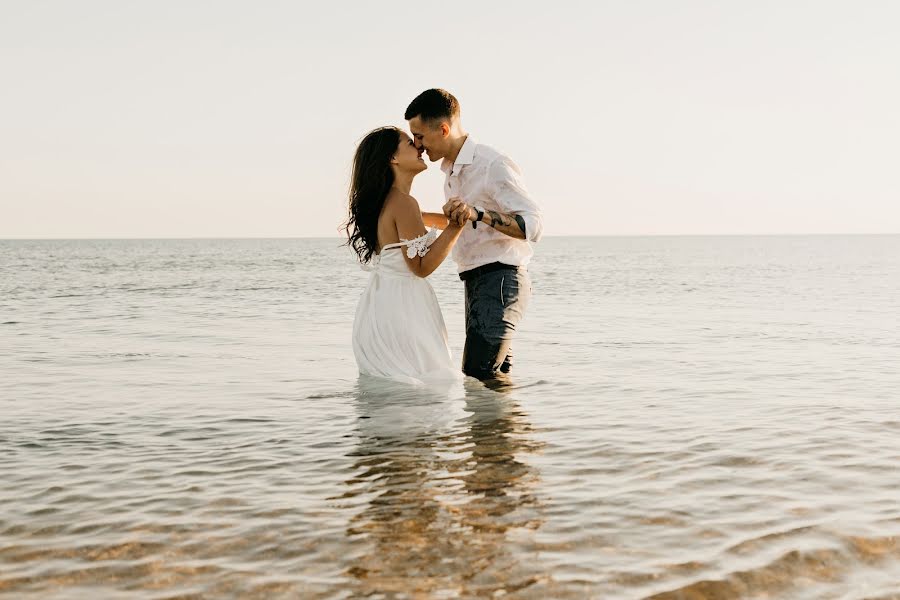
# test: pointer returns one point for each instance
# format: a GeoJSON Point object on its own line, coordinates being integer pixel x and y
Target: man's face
{"type": "Point", "coordinates": [430, 137]}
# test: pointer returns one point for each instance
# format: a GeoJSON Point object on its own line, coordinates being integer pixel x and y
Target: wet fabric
{"type": "Point", "coordinates": [399, 331]}
{"type": "Point", "coordinates": [496, 300]}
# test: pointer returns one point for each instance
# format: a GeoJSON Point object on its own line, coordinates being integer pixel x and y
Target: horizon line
{"type": "Point", "coordinates": [326, 237]}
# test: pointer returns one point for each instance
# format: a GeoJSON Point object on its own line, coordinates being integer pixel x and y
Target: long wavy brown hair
{"type": "Point", "coordinates": [370, 181]}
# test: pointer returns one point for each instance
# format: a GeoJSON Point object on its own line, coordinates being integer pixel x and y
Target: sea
{"type": "Point", "coordinates": [688, 418]}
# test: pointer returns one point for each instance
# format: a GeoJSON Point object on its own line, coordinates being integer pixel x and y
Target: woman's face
{"type": "Point", "coordinates": [408, 157]}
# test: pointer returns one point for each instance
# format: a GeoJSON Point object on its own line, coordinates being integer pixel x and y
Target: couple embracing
{"type": "Point", "coordinates": [488, 222]}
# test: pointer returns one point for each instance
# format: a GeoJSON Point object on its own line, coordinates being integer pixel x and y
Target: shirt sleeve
{"type": "Point", "coordinates": [508, 190]}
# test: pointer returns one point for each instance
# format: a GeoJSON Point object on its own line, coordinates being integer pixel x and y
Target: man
{"type": "Point", "coordinates": [485, 187]}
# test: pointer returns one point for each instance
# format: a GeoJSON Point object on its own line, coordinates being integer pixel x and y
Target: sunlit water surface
{"type": "Point", "coordinates": [690, 418]}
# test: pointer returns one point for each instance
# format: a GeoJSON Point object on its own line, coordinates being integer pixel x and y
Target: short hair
{"type": "Point", "coordinates": [433, 104]}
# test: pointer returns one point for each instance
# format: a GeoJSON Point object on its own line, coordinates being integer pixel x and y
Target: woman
{"type": "Point", "coordinates": [399, 331]}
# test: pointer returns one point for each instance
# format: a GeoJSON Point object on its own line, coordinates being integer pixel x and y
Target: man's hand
{"type": "Point", "coordinates": [458, 211]}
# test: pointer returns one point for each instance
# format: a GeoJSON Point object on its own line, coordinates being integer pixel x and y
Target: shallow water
{"type": "Point", "coordinates": [690, 418]}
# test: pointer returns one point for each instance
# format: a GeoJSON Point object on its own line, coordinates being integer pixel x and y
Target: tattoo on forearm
{"type": "Point", "coordinates": [499, 220]}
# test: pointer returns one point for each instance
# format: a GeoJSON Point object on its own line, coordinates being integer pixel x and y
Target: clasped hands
{"type": "Point", "coordinates": [458, 212]}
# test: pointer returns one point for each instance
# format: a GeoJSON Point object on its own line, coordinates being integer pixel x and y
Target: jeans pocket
{"type": "Point", "coordinates": [510, 291]}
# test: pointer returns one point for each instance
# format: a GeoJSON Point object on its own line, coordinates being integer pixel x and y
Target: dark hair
{"type": "Point", "coordinates": [370, 181]}
{"type": "Point", "coordinates": [433, 104]}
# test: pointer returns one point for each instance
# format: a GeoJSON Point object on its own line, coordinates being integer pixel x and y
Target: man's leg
{"type": "Point", "coordinates": [495, 303]}
{"type": "Point", "coordinates": [506, 367]}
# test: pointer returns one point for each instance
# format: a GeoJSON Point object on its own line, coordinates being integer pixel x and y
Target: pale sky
{"type": "Point", "coordinates": [239, 119]}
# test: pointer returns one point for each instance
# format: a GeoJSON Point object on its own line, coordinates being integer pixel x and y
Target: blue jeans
{"type": "Point", "coordinates": [496, 298]}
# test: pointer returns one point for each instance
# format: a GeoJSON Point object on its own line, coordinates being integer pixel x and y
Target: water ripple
{"type": "Point", "coordinates": [693, 418]}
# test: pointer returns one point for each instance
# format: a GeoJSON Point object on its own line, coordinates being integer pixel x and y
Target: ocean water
{"type": "Point", "coordinates": [690, 418]}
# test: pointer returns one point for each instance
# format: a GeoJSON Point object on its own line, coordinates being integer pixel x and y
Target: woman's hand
{"type": "Point", "coordinates": [456, 210]}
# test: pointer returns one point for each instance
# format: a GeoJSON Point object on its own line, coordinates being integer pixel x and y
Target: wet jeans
{"type": "Point", "coordinates": [496, 298]}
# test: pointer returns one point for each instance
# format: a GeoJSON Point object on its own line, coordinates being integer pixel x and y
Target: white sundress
{"type": "Point", "coordinates": [399, 331]}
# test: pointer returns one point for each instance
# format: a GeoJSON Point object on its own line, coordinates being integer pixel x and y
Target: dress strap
{"type": "Point", "coordinates": [419, 245]}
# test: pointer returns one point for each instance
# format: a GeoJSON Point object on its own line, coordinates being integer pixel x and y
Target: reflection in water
{"type": "Point", "coordinates": [443, 490]}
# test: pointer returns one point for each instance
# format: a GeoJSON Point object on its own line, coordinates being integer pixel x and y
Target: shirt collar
{"type": "Point", "coordinates": [465, 157]}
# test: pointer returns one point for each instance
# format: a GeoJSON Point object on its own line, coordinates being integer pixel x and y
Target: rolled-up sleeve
{"type": "Point", "coordinates": [508, 190]}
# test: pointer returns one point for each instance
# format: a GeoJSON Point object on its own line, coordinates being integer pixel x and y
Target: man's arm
{"type": "Point", "coordinates": [519, 216]}
{"type": "Point", "coordinates": [510, 224]}
{"type": "Point", "coordinates": [516, 207]}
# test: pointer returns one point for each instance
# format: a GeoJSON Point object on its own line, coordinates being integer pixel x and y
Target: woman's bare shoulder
{"type": "Point", "coordinates": [400, 201]}
{"type": "Point", "coordinates": [398, 212]}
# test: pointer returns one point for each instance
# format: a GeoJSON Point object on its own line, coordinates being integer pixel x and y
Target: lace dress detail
{"type": "Point", "coordinates": [399, 331]}
{"type": "Point", "coordinates": [420, 245]}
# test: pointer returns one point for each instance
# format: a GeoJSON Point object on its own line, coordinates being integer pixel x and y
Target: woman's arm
{"type": "Point", "coordinates": [410, 225]}
{"type": "Point", "coordinates": [436, 220]}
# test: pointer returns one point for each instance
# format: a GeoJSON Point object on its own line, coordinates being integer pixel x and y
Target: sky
{"type": "Point", "coordinates": [139, 119]}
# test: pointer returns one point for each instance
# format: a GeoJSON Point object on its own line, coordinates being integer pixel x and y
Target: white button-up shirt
{"type": "Point", "coordinates": [483, 177]}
